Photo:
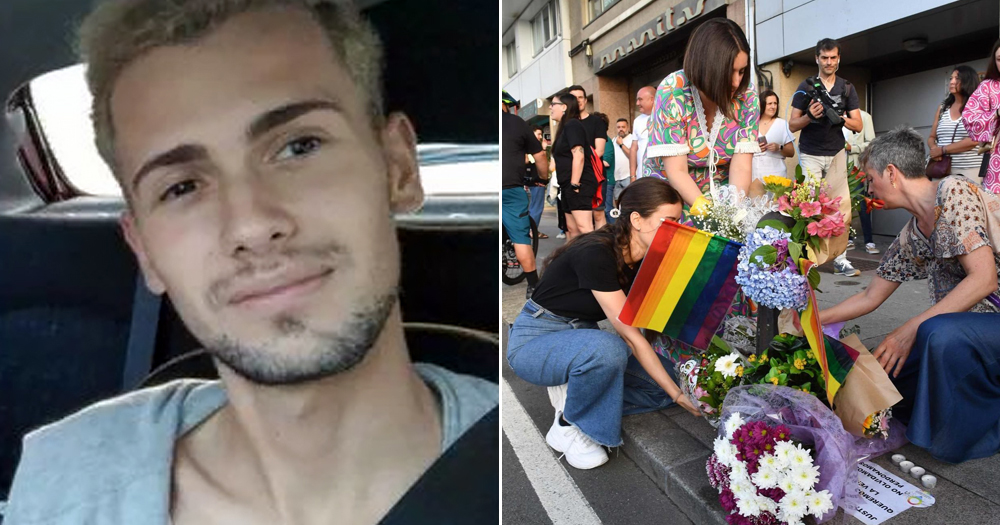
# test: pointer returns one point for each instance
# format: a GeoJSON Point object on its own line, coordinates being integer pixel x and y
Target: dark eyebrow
{"type": "Point", "coordinates": [182, 154]}
{"type": "Point", "coordinates": [287, 113]}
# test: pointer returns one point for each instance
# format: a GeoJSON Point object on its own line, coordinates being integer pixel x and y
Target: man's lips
{"type": "Point", "coordinates": [280, 288]}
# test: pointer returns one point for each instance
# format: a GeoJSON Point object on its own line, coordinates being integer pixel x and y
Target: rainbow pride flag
{"type": "Point", "coordinates": [835, 358]}
{"type": "Point", "coordinates": [685, 285]}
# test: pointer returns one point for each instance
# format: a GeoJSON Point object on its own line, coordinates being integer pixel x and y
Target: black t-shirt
{"type": "Point", "coordinates": [566, 288]}
{"type": "Point", "coordinates": [518, 141]}
{"type": "Point", "coordinates": [572, 134]}
{"type": "Point", "coordinates": [822, 137]}
{"type": "Point", "coordinates": [595, 128]}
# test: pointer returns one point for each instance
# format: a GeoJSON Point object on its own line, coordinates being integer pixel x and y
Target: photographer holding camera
{"type": "Point", "coordinates": [821, 107]}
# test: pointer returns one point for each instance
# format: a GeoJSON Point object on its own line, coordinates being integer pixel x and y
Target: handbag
{"type": "Point", "coordinates": [938, 169]}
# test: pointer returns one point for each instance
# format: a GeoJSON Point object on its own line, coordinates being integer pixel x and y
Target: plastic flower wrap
{"type": "Point", "coordinates": [707, 379]}
{"type": "Point", "coordinates": [781, 455]}
{"type": "Point", "coordinates": [807, 201]}
{"type": "Point", "coordinates": [767, 273]}
{"type": "Point", "coordinates": [741, 334]}
{"type": "Point", "coordinates": [732, 214]}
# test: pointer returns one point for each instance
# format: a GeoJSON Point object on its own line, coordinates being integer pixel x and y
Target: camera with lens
{"type": "Point", "coordinates": [833, 110]}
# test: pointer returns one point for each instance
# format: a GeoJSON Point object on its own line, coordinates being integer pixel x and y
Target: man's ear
{"type": "Point", "coordinates": [153, 281]}
{"type": "Point", "coordinates": [399, 142]}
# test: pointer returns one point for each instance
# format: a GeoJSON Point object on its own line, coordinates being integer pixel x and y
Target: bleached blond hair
{"type": "Point", "coordinates": [118, 32]}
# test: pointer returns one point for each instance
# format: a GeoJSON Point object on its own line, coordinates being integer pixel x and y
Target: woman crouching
{"type": "Point", "coordinates": [555, 339]}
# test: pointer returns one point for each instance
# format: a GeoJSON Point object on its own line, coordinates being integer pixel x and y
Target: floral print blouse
{"type": "Point", "coordinates": [964, 214]}
{"type": "Point", "coordinates": [980, 119]}
{"type": "Point", "coordinates": [675, 129]}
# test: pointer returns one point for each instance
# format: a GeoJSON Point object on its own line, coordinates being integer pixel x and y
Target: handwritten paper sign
{"type": "Point", "coordinates": [882, 495]}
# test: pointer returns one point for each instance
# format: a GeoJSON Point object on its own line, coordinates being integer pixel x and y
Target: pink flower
{"type": "Point", "coordinates": [830, 206]}
{"type": "Point", "coordinates": [783, 204]}
{"type": "Point", "coordinates": [810, 209]}
{"type": "Point", "coordinates": [832, 226]}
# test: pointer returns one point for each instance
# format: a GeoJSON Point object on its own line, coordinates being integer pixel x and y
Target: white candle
{"type": "Point", "coordinates": [928, 481]}
{"type": "Point", "coordinates": [905, 466]}
{"type": "Point", "coordinates": [896, 458]}
{"type": "Point", "coordinates": [916, 472]}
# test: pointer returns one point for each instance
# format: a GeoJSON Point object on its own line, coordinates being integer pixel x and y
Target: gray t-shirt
{"type": "Point", "coordinates": [111, 463]}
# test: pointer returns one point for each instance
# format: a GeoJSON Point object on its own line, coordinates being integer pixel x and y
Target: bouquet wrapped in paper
{"type": "Point", "coordinates": [781, 455]}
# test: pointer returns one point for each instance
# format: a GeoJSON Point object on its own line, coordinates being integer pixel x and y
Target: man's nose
{"type": "Point", "coordinates": [253, 220]}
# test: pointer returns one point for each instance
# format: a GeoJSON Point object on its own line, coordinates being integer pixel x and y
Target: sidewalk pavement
{"type": "Point", "coordinates": [671, 446]}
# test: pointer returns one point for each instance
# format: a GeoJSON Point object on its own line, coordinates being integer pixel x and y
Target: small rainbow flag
{"type": "Point", "coordinates": [835, 358]}
{"type": "Point", "coordinates": [685, 285]}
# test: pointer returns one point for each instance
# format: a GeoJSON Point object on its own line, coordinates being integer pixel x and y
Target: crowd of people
{"type": "Point", "coordinates": [705, 126]}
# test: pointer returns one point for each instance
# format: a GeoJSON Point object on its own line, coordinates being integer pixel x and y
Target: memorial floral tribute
{"type": "Point", "coordinates": [708, 378]}
{"type": "Point", "coordinates": [763, 476]}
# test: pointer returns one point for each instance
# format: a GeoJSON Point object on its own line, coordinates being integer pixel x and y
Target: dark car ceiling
{"type": "Point", "coordinates": [438, 54]}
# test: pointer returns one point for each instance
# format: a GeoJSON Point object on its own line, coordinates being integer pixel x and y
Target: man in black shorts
{"type": "Point", "coordinates": [519, 141]}
{"type": "Point", "coordinates": [597, 134]}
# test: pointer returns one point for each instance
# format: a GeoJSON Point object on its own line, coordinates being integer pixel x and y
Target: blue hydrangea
{"type": "Point", "coordinates": [783, 288]}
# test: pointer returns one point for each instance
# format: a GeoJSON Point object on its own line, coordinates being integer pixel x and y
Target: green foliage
{"type": "Point", "coordinates": [788, 361]}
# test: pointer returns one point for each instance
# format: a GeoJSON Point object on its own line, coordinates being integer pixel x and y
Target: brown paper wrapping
{"type": "Point", "coordinates": [866, 390]}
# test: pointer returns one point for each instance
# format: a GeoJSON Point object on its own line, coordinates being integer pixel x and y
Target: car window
{"type": "Point", "coordinates": [62, 102]}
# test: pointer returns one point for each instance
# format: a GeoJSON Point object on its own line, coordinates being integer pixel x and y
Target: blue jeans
{"type": "Point", "coordinates": [604, 381]}
{"type": "Point", "coordinates": [536, 204]}
{"type": "Point", "coordinates": [609, 189]}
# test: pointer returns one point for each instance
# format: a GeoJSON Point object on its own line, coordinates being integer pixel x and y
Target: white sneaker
{"type": "Point", "coordinates": [870, 248]}
{"type": "Point", "coordinates": [557, 396]}
{"type": "Point", "coordinates": [562, 235]}
{"type": "Point", "coordinates": [850, 244]}
{"type": "Point", "coordinates": [845, 268]}
{"type": "Point", "coordinates": [580, 451]}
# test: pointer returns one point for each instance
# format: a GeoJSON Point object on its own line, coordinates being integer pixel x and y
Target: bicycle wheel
{"type": "Point", "coordinates": [510, 269]}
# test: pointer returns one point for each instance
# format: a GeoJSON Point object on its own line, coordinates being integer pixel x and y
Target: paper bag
{"type": "Point", "coordinates": [866, 390]}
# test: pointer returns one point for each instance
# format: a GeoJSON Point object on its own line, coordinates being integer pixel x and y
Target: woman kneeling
{"type": "Point", "coordinates": [946, 361]}
{"type": "Point", "coordinates": [555, 339]}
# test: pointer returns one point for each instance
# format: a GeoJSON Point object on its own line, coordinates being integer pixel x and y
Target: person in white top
{"type": "Point", "coordinates": [640, 131]}
{"type": "Point", "coordinates": [776, 141]}
{"type": "Point", "coordinates": [623, 145]}
{"type": "Point", "coordinates": [948, 135]}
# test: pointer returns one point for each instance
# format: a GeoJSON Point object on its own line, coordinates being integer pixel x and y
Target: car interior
{"type": "Point", "coordinates": [77, 324]}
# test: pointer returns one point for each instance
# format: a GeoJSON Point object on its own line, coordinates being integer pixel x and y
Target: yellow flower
{"type": "Point", "coordinates": [774, 380]}
{"type": "Point", "coordinates": [868, 422]}
{"type": "Point", "coordinates": [739, 371]}
{"type": "Point", "coordinates": [752, 358]}
{"type": "Point", "coordinates": [800, 364]}
{"type": "Point", "coordinates": [777, 180]}
{"type": "Point", "coordinates": [806, 390]}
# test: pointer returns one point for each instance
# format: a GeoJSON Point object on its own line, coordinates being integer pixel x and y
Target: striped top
{"type": "Point", "coordinates": [945, 128]}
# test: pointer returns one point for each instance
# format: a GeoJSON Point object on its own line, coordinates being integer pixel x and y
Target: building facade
{"type": "Point", "coordinates": [535, 60]}
{"type": "Point", "coordinates": [899, 55]}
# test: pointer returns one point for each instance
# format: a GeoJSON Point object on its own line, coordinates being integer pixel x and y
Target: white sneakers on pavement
{"type": "Point", "coordinates": [844, 267]}
{"type": "Point", "coordinates": [870, 248]}
{"type": "Point", "coordinates": [580, 451]}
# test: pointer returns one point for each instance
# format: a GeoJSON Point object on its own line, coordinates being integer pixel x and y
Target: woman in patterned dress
{"type": "Point", "coordinates": [703, 130]}
{"type": "Point", "coordinates": [981, 117]}
{"type": "Point", "coordinates": [945, 361]}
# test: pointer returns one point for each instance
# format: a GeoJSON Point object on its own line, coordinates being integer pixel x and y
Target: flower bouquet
{"type": "Point", "coordinates": [787, 362]}
{"type": "Point", "coordinates": [767, 272]}
{"type": "Point", "coordinates": [781, 455]}
{"type": "Point", "coordinates": [807, 201]}
{"type": "Point", "coordinates": [707, 379]}
{"type": "Point", "coordinates": [763, 476]}
{"type": "Point", "coordinates": [732, 214]}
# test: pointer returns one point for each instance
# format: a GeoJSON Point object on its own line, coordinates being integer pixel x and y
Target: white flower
{"type": "Point", "coordinates": [748, 506]}
{"type": "Point", "coordinates": [819, 503]}
{"type": "Point", "coordinates": [782, 451]}
{"type": "Point", "coordinates": [787, 484]}
{"type": "Point", "coordinates": [805, 476]}
{"type": "Point", "coordinates": [738, 469]}
{"type": "Point", "coordinates": [725, 452]}
{"type": "Point", "coordinates": [733, 424]}
{"type": "Point", "coordinates": [794, 505]}
{"type": "Point", "coordinates": [742, 488]}
{"type": "Point", "coordinates": [767, 504]}
{"type": "Point", "coordinates": [773, 460]}
{"type": "Point", "coordinates": [766, 477]}
{"type": "Point", "coordinates": [726, 365]}
{"type": "Point", "coordinates": [799, 457]}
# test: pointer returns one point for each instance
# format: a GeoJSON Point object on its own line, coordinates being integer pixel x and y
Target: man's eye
{"type": "Point", "coordinates": [299, 147]}
{"type": "Point", "coordinates": [178, 190]}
